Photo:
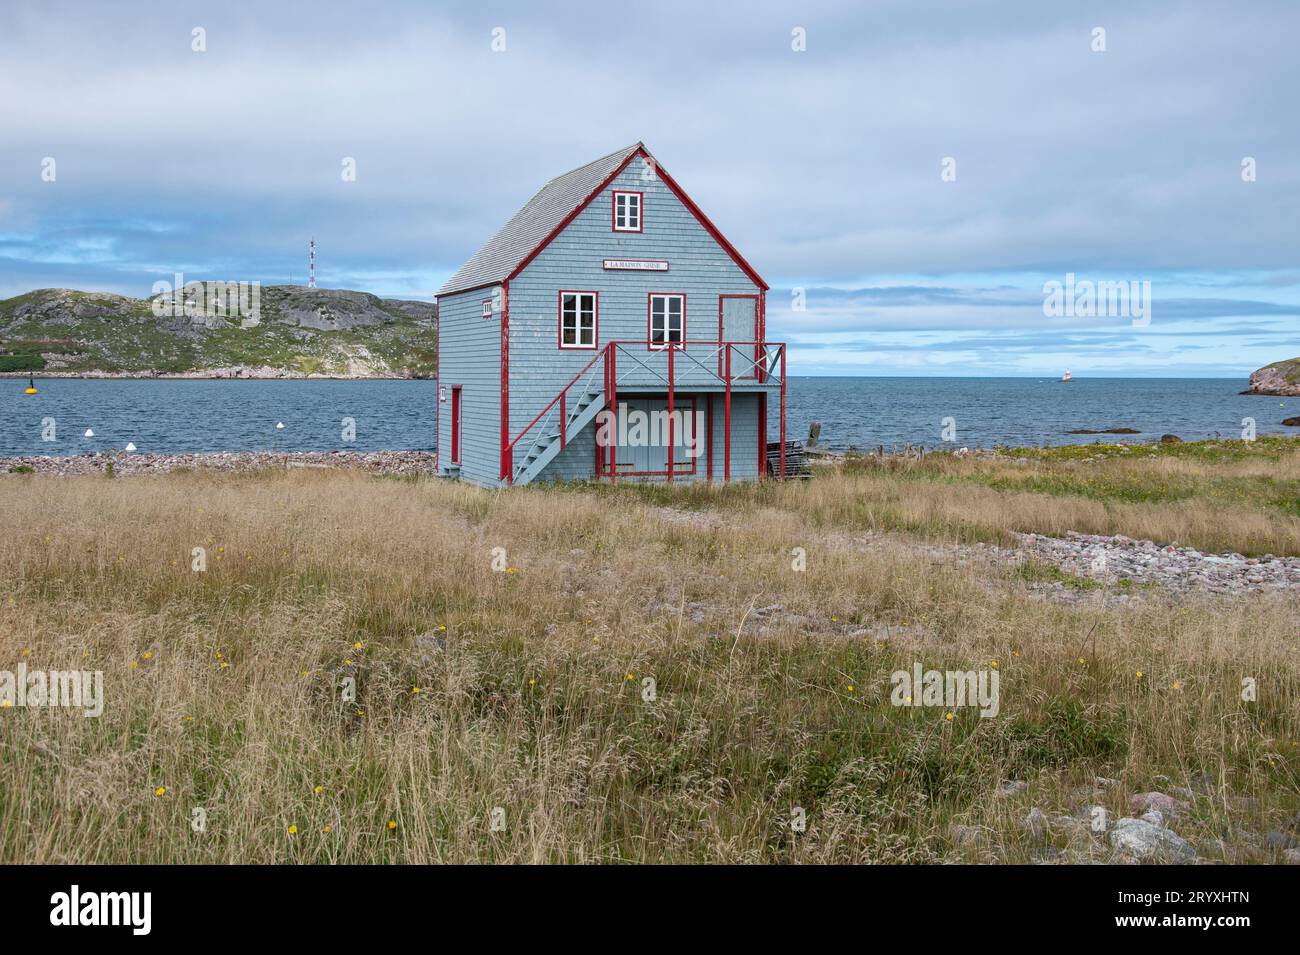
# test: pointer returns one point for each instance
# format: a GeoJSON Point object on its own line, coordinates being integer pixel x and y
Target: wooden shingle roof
{"type": "Point", "coordinates": [532, 224]}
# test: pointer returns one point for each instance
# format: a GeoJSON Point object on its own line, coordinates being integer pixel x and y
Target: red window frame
{"type": "Point", "coordinates": [455, 424]}
{"type": "Point", "coordinates": [640, 211]}
{"type": "Point", "coordinates": [559, 319]}
{"type": "Point", "coordinates": [649, 328]}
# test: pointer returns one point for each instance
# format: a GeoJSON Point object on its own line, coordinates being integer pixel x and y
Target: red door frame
{"type": "Point", "coordinates": [455, 424]}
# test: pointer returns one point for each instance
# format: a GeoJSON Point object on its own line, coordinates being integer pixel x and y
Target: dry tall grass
{"type": "Point", "coordinates": [223, 687]}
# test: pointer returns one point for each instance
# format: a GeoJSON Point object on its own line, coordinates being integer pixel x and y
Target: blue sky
{"type": "Point", "coordinates": [822, 165]}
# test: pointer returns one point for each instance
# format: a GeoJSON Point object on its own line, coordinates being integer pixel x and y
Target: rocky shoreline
{"type": "Point", "coordinates": [1111, 570]}
{"type": "Point", "coordinates": [123, 463]}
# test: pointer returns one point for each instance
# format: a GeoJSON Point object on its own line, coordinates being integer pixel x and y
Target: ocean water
{"type": "Point", "coordinates": [183, 416]}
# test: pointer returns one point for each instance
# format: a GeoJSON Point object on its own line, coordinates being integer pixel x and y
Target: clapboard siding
{"type": "Point", "coordinates": [469, 355]}
{"type": "Point", "coordinates": [699, 267]}
{"type": "Point", "coordinates": [744, 436]}
{"type": "Point", "coordinates": [577, 462]}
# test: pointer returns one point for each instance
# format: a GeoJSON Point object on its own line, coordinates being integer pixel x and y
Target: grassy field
{"type": "Point", "coordinates": [504, 715]}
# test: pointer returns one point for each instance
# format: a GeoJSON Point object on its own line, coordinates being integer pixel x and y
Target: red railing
{"type": "Point", "coordinates": [507, 452]}
{"type": "Point", "coordinates": [766, 362]}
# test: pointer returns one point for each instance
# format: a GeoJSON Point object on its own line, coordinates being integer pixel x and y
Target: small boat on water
{"type": "Point", "coordinates": [1067, 376]}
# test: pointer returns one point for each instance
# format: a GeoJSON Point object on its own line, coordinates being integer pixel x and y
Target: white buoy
{"type": "Point", "coordinates": [89, 433]}
{"type": "Point", "coordinates": [130, 445]}
{"type": "Point", "coordinates": [279, 426]}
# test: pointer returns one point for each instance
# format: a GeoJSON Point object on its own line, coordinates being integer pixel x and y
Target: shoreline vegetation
{"type": "Point", "coordinates": [636, 673]}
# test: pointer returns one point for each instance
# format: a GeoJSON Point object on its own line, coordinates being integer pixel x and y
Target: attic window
{"type": "Point", "coordinates": [487, 308]}
{"type": "Point", "coordinates": [627, 212]}
{"type": "Point", "coordinates": [577, 319]}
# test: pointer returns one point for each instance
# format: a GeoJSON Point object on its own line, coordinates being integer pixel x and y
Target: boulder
{"type": "Point", "coordinates": [1145, 840]}
{"type": "Point", "coordinates": [1167, 806]}
{"type": "Point", "coordinates": [1170, 439]}
{"type": "Point", "coordinates": [1292, 422]}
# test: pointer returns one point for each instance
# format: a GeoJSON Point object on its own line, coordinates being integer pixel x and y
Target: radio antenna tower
{"type": "Point", "coordinates": [311, 264]}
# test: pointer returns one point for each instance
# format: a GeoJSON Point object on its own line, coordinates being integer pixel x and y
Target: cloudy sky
{"type": "Point", "coordinates": [825, 166]}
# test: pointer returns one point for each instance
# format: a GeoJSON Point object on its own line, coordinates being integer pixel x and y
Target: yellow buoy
{"type": "Point", "coordinates": [31, 387]}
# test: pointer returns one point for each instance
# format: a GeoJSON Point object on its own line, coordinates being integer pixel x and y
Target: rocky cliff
{"type": "Point", "coordinates": [284, 331]}
{"type": "Point", "coordinates": [1279, 378]}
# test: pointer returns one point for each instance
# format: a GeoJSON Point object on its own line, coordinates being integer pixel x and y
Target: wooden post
{"type": "Point", "coordinates": [783, 412]}
{"type": "Point", "coordinates": [726, 421]}
{"type": "Point", "coordinates": [613, 408]}
{"type": "Point", "coordinates": [670, 412]}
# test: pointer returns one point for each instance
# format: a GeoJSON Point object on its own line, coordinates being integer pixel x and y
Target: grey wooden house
{"type": "Point", "coordinates": [608, 331]}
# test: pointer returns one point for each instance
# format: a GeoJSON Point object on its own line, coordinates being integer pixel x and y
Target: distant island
{"type": "Point", "coordinates": [1282, 378]}
{"type": "Point", "coordinates": [298, 332]}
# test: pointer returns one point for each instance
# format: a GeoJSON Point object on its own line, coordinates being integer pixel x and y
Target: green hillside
{"type": "Point", "coordinates": [299, 331]}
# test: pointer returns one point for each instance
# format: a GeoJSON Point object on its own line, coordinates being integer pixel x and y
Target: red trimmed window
{"type": "Point", "coordinates": [627, 212]}
{"type": "Point", "coordinates": [667, 318]}
{"type": "Point", "coordinates": [578, 317]}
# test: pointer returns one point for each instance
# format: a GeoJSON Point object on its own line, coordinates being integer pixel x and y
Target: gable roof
{"type": "Point", "coordinates": [551, 209]}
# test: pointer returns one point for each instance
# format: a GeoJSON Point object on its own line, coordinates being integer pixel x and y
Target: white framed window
{"type": "Point", "coordinates": [627, 212]}
{"type": "Point", "coordinates": [487, 308]}
{"type": "Point", "coordinates": [667, 320]}
{"type": "Point", "coordinates": [578, 318]}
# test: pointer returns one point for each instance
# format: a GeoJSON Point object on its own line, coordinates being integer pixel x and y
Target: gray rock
{"type": "Point", "coordinates": [1168, 805]}
{"type": "Point", "coordinates": [1291, 857]}
{"type": "Point", "coordinates": [1141, 839]}
{"type": "Point", "coordinates": [1279, 841]}
{"type": "Point", "coordinates": [1012, 786]}
{"type": "Point", "coordinates": [964, 835]}
{"type": "Point", "coordinates": [1154, 816]}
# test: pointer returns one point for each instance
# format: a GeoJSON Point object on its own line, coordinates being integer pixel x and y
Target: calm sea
{"type": "Point", "coordinates": [175, 416]}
